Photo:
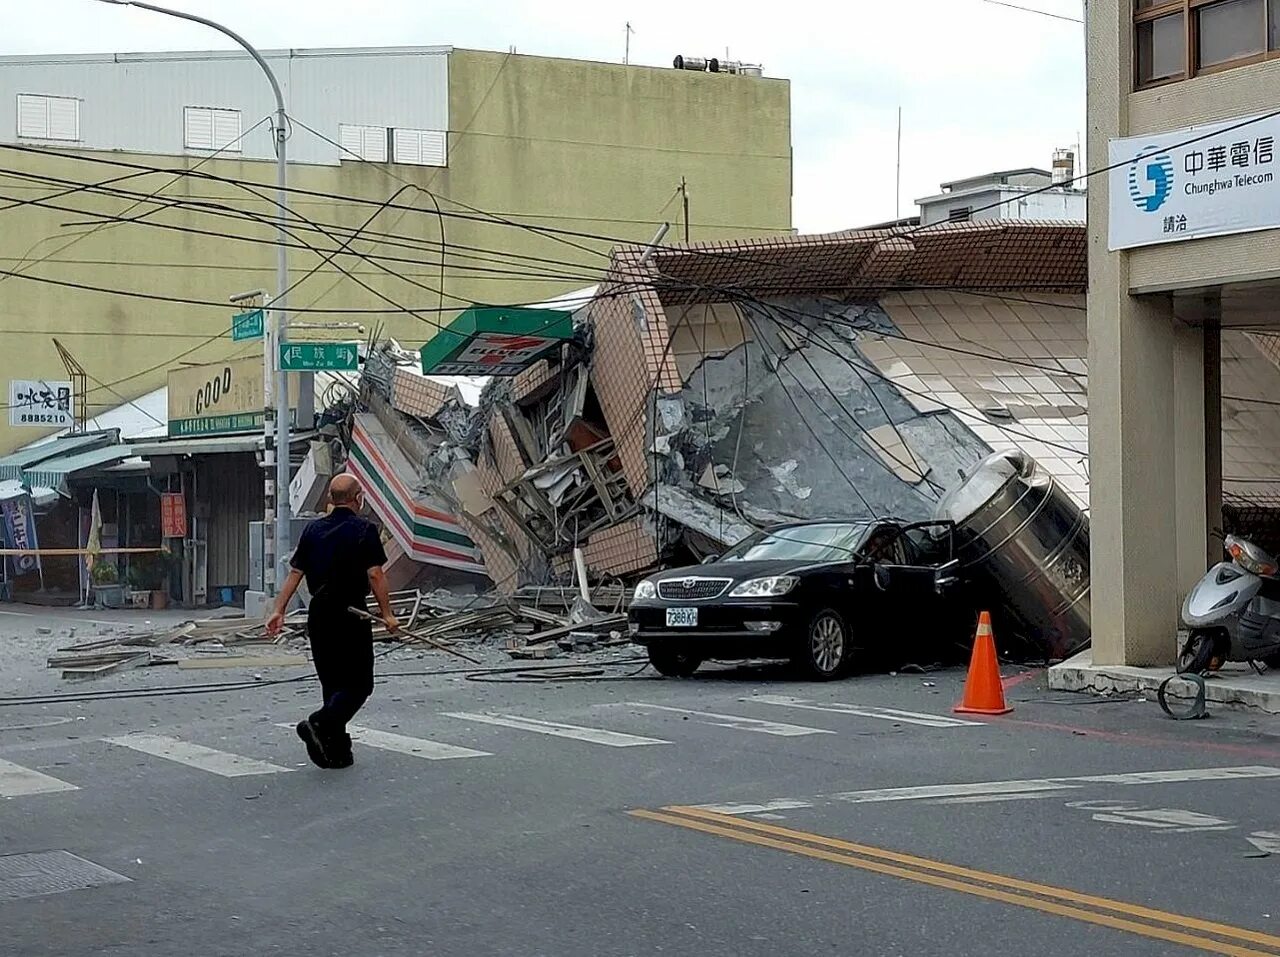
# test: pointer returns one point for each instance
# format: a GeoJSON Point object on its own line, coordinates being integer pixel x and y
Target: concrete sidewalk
{"type": "Point", "coordinates": [1236, 685]}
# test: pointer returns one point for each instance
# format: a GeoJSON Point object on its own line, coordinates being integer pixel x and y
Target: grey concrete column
{"type": "Point", "coordinates": [1191, 456]}
{"type": "Point", "coordinates": [1213, 429]}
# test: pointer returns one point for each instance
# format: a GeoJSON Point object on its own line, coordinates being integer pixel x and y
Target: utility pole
{"type": "Point", "coordinates": [279, 319]}
{"type": "Point", "coordinates": [897, 176]}
{"type": "Point", "coordinates": [684, 202]}
{"type": "Point", "coordinates": [258, 299]}
{"type": "Point", "coordinates": [626, 56]}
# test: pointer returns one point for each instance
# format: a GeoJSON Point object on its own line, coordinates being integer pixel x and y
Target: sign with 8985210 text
{"type": "Point", "coordinates": [1208, 180]}
{"type": "Point", "coordinates": [40, 403]}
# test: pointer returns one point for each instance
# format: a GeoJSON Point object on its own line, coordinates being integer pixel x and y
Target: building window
{"type": "Point", "coordinates": [419, 147]}
{"type": "Point", "coordinates": [959, 214]}
{"type": "Point", "coordinates": [1174, 39]}
{"type": "Point", "coordinates": [48, 117]}
{"type": "Point", "coordinates": [208, 128]}
{"type": "Point", "coordinates": [366, 143]}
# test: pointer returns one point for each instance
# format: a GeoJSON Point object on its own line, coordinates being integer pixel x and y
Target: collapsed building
{"type": "Point", "coordinates": [709, 390]}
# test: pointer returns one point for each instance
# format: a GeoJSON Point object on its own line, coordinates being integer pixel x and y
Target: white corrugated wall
{"type": "Point", "coordinates": [134, 101]}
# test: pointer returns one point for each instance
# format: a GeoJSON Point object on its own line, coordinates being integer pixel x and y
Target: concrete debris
{"type": "Point", "coordinates": [438, 620]}
{"type": "Point", "coordinates": [704, 395]}
{"type": "Point", "coordinates": [784, 473]}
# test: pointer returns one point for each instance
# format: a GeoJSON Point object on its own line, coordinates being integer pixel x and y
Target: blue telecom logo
{"type": "Point", "coordinates": [1150, 189]}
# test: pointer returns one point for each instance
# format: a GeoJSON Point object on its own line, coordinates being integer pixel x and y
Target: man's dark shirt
{"type": "Point", "coordinates": [335, 554]}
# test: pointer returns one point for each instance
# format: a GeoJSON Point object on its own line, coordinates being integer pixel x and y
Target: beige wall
{"type": "Point", "coordinates": [594, 148]}
{"type": "Point", "coordinates": [1147, 371]}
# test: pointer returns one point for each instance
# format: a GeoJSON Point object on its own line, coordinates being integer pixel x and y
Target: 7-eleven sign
{"type": "Point", "coordinates": [493, 341]}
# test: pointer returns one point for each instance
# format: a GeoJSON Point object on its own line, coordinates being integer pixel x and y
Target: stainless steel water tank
{"type": "Point", "coordinates": [1021, 537]}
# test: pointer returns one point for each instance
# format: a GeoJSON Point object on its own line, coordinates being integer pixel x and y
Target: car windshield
{"type": "Point", "coordinates": [826, 542]}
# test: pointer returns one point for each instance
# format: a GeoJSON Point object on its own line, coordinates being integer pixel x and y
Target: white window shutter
{"type": "Point", "coordinates": [206, 128]}
{"type": "Point", "coordinates": [33, 117]}
{"type": "Point", "coordinates": [407, 147]}
{"type": "Point", "coordinates": [433, 148]}
{"type": "Point", "coordinates": [368, 143]}
{"type": "Point", "coordinates": [226, 130]}
{"type": "Point", "coordinates": [420, 147]}
{"type": "Point", "coordinates": [373, 147]}
{"type": "Point", "coordinates": [351, 139]}
{"type": "Point", "coordinates": [48, 117]}
{"type": "Point", "coordinates": [64, 118]}
{"type": "Point", "coordinates": [197, 122]}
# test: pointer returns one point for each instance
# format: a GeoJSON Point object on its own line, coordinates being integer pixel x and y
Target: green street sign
{"type": "Point", "coordinates": [319, 356]}
{"type": "Point", "coordinates": [246, 325]}
{"type": "Point", "coordinates": [493, 340]}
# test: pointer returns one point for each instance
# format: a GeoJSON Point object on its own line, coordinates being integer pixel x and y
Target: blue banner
{"type": "Point", "coordinates": [20, 531]}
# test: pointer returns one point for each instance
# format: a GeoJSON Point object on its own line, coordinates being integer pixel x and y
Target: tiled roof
{"type": "Point", "coordinates": [1001, 255]}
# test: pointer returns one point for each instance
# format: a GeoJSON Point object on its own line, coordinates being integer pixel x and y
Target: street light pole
{"type": "Point", "coordinates": [273, 570]}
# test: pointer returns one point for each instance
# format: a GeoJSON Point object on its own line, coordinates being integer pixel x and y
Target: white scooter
{"type": "Point", "coordinates": [1234, 612]}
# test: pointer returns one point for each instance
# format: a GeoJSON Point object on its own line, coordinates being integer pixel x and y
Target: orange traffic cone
{"type": "Point", "coordinates": [983, 692]}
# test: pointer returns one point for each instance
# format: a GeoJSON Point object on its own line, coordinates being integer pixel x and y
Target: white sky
{"type": "Point", "coordinates": [982, 87]}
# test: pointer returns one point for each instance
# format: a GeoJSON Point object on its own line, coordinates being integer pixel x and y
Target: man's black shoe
{"type": "Point", "coordinates": [339, 751]}
{"type": "Point", "coordinates": [310, 736]}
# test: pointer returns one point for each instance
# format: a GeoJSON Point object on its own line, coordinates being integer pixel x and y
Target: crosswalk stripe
{"type": "Point", "coordinates": [223, 763]}
{"type": "Point", "coordinates": [884, 714]}
{"type": "Point", "coordinates": [612, 739]}
{"type": "Point", "coordinates": [737, 722]}
{"type": "Point", "coordinates": [418, 747]}
{"type": "Point", "coordinates": [17, 781]}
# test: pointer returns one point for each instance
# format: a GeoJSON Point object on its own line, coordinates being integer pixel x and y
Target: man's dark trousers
{"type": "Point", "coordinates": [342, 650]}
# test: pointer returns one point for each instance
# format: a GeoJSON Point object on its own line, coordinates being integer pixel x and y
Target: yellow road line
{"type": "Point", "coordinates": [1058, 893]}
{"type": "Point", "coordinates": [1205, 944]}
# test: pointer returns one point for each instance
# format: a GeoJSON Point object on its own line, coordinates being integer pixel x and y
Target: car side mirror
{"type": "Point", "coordinates": [946, 575]}
{"type": "Point", "coordinates": [708, 559]}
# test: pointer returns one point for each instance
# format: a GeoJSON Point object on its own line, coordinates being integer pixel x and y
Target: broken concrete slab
{"type": "Point", "coordinates": [718, 524]}
{"type": "Point", "coordinates": [1235, 686]}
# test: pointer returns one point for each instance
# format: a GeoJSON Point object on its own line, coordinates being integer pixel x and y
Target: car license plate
{"type": "Point", "coordinates": [682, 617]}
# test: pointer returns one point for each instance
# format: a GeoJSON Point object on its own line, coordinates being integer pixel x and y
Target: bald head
{"type": "Point", "coordinates": [344, 490]}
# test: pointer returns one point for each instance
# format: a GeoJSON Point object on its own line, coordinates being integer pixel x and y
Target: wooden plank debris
{"type": "Point", "coordinates": [80, 672]}
{"type": "Point", "coordinates": [600, 625]}
{"type": "Point", "coordinates": [243, 661]}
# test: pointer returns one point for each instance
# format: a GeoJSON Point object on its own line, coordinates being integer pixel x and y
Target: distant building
{"type": "Point", "coordinates": [510, 146]}
{"type": "Point", "coordinates": [1021, 194]}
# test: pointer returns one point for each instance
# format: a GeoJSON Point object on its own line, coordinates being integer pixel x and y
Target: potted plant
{"type": "Point", "coordinates": [149, 575]}
{"type": "Point", "coordinates": [107, 590]}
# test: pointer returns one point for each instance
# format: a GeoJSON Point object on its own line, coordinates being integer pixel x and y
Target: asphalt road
{"type": "Point", "coordinates": [739, 813]}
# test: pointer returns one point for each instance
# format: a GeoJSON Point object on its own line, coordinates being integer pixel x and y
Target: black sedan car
{"type": "Point", "coordinates": [827, 595]}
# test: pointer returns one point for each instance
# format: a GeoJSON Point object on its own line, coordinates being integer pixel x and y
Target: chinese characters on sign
{"type": "Point", "coordinates": [246, 325]}
{"type": "Point", "coordinates": [1210, 180]}
{"type": "Point", "coordinates": [40, 403]}
{"type": "Point", "coordinates": [319, 356]}
{"type": "Point", "coordinates": [218, 398]}
{"type": "Point", "coordinates": [173, 515]}
{"type": "Point", "coordinates": [1244, 153]}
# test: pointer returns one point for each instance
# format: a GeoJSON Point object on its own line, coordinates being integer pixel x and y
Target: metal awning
{"type": "Point", "coordinates": [206, 445]}
{"type": "Point", "coordinates": [54, 472]}
{"type": "Point", "coordinates": [13, 465]}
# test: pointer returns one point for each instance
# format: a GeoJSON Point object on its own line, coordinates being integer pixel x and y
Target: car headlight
{"type": "Point", "coordinates": [646, 589]}
{"type": "Point", "coordinates": [765, 587]}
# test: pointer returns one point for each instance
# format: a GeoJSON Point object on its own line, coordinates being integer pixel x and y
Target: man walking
{"type": "Point", "coordinates": [341, 557]}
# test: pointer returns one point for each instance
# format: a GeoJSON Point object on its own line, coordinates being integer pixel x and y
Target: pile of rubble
{"type": "Point", "coordinates": [534, 623]}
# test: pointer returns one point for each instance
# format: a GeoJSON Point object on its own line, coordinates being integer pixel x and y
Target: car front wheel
{"type": "Point", "coordinates": [826, 650]}
{"type": "Point", "coordinates": [673, 664]}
